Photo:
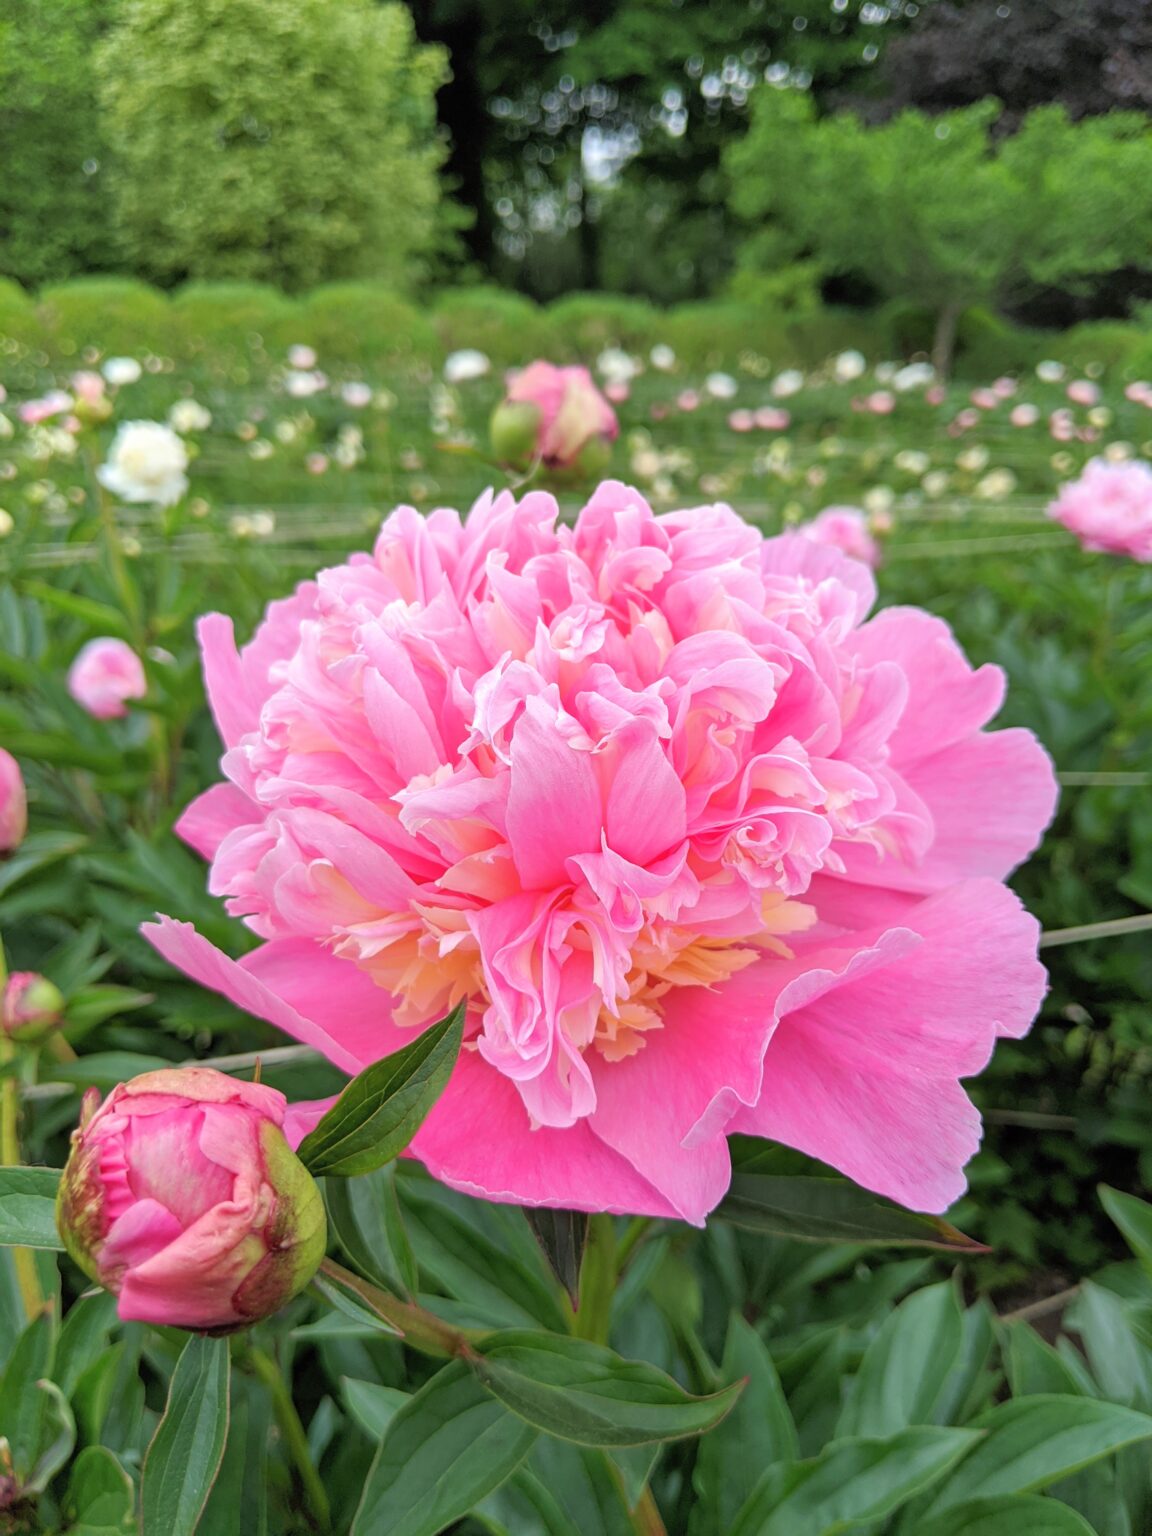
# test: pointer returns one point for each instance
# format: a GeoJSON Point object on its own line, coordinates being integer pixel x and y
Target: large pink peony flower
{"type": "Point", "coordinates": [706, 851]}
{"type": "Point", "coordinates": [846, 529]}
{"type": "Point", "coordinates": [1109, 508]}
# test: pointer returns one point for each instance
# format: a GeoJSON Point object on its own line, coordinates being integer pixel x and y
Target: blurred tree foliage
{"type": "Point", "coordinates": [287, 141]}
{"type": "Point", "coordinates": [938, 211]}
{"type": "Point", "coordinates": [53, 161]}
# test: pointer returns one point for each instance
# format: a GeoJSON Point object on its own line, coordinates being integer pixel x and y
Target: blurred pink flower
{"type": "Point", "coordinates": [935, 394]}
{"type": "Point", "coordinates": [316, 463]}
{"type": "Point", "coordinates": [1083, 392]}
{"type": "Point", "coordinates": [104, 676]}
{"type": "Point", "coordinates": [88, 386]}
{"type": "Point", "coordinates": [182, 1197]}
{"type": "Point", "coordinates": [617, 390]}
{"type": "Point", "coordinates": [687, 400]}
{"type": "Point", "coordinates": [557, 414]}
{"type": "Point", "coordinates": [54, 403]}
{"type": "Point", "coordinates": [1109, 508]}
{"type": "Point", "coordinates": [770, 418]}
{"type": "Point", "coordinates": [1004, 387]}
{"type": "Point", "coordinates": [741, 421]}
{"type": "Point", "coordinates": [1024, 415]}
{"type": "Point", "coordinates": [704, 850]}
{"type": "Point", "coordinates": [845, 529]}
{"type": "Point", "coordinates": [31, 1006]}
{"type": "Point", "coordinates": [985, 399]}
{"type": "Point", "coordinates": [881, 402]}
{"type": "Point", "coordinates": [1061, 426]}
{"type": "Point", "coordinates": [13, 804]}
{"type": "Point", "coordinates": [1140, 392]}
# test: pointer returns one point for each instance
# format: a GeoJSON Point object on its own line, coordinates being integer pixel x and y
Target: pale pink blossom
{"type": "Point", "coordinates": [704, 848]}
{"type": "Point", "coordinates": [105, 676]}
{"type": "Point", "coordinates": [1109, 508]}
{"type": "Point", "coordinates": [1004, 387]}
{"type": "Point", "coordinates": [687, 400]}
{"type": "Point", "coordinates": [13, 804]}
{"type": "Point", "coordinates": [741, 420]}
{"type": "Point", "coordinates": [935, 394]}
{"type": "Point", "coordinates": [881, 402]}
{"type": "Point", "coordinates": [846, 529]}
{"type": "Point", "coordinates": [555, 414]}
{"type": "Point", "coordinates": [1061, 425]}
{"type": "Point", "coordinates": [1083, 392]}
{"type": "Point", "coordinates": [771, 418]}
{"type": "Point", "coordinates": [182, 1197]}
{"type": "Point", "coordinates": [54, 403]}
{"type": "Point", "coordinates": [985, 399]}
{"type": "Point", "coordinates": [1024, 415]}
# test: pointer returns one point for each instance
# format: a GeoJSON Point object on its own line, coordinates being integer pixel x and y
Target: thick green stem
{"type": "Point", "coordinates": [422, 1329]}
{"type": "Point", "coordinates": [295, 1439]}
{"type": "Point", "coordinates": [597, 1281]}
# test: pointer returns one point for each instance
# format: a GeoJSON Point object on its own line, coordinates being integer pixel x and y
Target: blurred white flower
{"type": "Point", "coordinates": [1117, 453]}
{"type": "Point", "coordinates": [121, 370]}
{"type": "Point", "coordinates": [912, 376]}
{"type": "Point", "coordinates": [849, 365]}
{"type": "Point", "coordinates": [260, 449]}
{"type": "Point", "coordinates": [7, 523]}
{"type": "Point", "coordinates": [302, 384]}
{"type": "Point", "coordinates": [663, 357]}
{"type": "Point", "coordinates": [880, 498]}
{"type": "Point", "coordinates": [885, 372]}
{"type": "Point", "coordinates": [1100, 416]}
{"type": "Point", "coordinates": [468, 363]}
{"type": "Point", "coordinates": [721, 386]}
{"type": "Point", "coordinates": [790, 382]}
{"type": "Point", "coordinates": [616, 365]}
{"type": "Point", "coordinates": [1050, 371]}
{"type": "Point", "coordinates": [6, 427]}
{"type": "Point", "coordinates": [934, 483]}
{"type": "Point", "coordinates": [146, 462]}
{"type": "Point", "coordinates": [973, 459]}
{"type": "Point", "coordinates": [189, 416]}
{"type": "Point", "coordinates": [357, 394]}
{"type": "Point", "coordinates": [285, 431]}
{"type": "Point", "coordinates": [912, 461]}
{"type": "Point", "coordinates": [996, 484]}
{"type": "Point", "coordinates": [300, 356]}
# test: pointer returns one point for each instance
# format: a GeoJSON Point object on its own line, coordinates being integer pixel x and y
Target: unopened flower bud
{"type": "Point", "coordinates": [32, 1007]}
{"type": "Point", "coordinates": [13, 804]}
{"type": "Point", "coordinates": [182, 1197]}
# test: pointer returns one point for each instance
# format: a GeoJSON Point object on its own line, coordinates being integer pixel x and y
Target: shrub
{"type": "Point", "coordinates": [1116, 343]}
{"type": "Point", "coordinates": [232, 318]}
{"type": "Point", "coordinates": [118, 314]}
{"type": "Point", "coordinates": [507, 326]}
{"type": "Point", "coordinates": [987, 345]}
{"type": "Point", "coordinates": [586, 323]}
{"type": "Point", "coordinates": [365, 323]}
{"type": "Point", "coordinates": [18, 318]}
{"type": "Point", "coordinates": [714, 334]}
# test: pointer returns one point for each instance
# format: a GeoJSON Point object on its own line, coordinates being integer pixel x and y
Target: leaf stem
{"type": "Point", "coordinates": [295, 1439]}
{"type": "Point", "coordinates": [422, 1329]}
{"type": "Point", "coordinates": [597, 1281]}
{"type": "Point", "coordinates": [23, 1259]}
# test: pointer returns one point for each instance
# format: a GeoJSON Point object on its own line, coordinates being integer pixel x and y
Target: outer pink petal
{"type": "Point", "coordinates": [865, 1076]}
{"type": "Point", "coordinates": [304, 1117]}
{"type": "Point", "coordinates": [191, 1282]}
{"type": "Point", "coordinates": [477, 1139]}
{"type": "Point", "coordinates": [191, 953]}
{"type": "Point", "coordinates": [234, 709]}
{"type": "Point", "coordinates": [207, 821]}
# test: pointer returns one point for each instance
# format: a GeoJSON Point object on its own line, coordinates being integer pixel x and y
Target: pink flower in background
{"type": "Point", "coordinates": [617, 390]}
{"type": "Point", "coordinates": [106, 674]}
{"type": "Point", "coordinates": [985, 399]}
{"type": "Point", "coordinates": [88, 386]}
{"type": "Point", "coordinates": [741, 421]}
{"type": "Point", "coordinates": [881, 402]}
{"type": "Point", "coordinates": [1083, 392]}
{"type": "Point", "coordinates": [554, 413]}
{"type": "Point", "coordinates": [31, 1006]}
{"type": "Point", "coordinates": [935, 394]}
{"type": "Point", "coordinates": [1109, 508]}
{"type": "Point", "coordinates": [1024, 415]}
{"type": "Point", "coordinates": [770, 418]}
{"type": "Point", "coordinates": [1004, 387]}
{"type": "Point", "coordinates": [845, 529]}
{"type": "Point", "coordinates": [182, 1197]}
{"type": "Point", "coordinates": [687, 400]}
{"type": "Point", "coordinates": [1140, 392]}
{"type": "Point", "coordinates": [705, 848]}
{"type": "Point", "coordinates": [13, 804]}
{"type": "Point", "coordinates": [1061, 426]}
{"type": "Point", "coordinates": [54, 403]}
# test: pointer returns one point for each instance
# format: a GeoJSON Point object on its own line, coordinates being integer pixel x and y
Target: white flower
{"type": "Point", "coordinates": [189, 416]}
{"type": "Point", "coordinates": [1116, 453]}
{"type": "Point", "coordinates": [790, 382]}
{"type": "Point", "coordinates": [721, 386]}
{"type": "Point", "coordinates": [356, 394]}
{"type": "Point", "coordinates": [121, 370]}
{"type": "Point", "coordinates": [973, 459]}
{"type": "Point", "coordinates": [912, 461]}
{"type": "Point", "coordinates": [468, 363]}
{"type": "Point", "coordinates": [6, 427]}
{"type": "Point", "coordinates": [881, 498]}
{"type": "Point", "coordinates": [7, 523]}
{"type": "Point", "coordinates": [848, 366]}
{"type": "Point", "coordinates": [885, 372]}
{"type": "Point", "coordinates": [146, 462]}
{"type": "Point", "coordinates": [616, 366]}
{"type": "Point", "coordinates": [934, 483]}
{"type": "Point", "coordinates": [301, 356]}
{"type": "Point", "coordinates": [912, 376]}
{"type": "Point", "coordinates": [996, 484]}
{"type": "Point", "coordinates": [663, 357]}
{"type": "Point", "coordinates": [301, 384]}
{"type": "Point", "coordinates": [1050, 371]}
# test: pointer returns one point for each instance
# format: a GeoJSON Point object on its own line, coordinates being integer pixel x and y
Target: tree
{"type": "Point", "coordinates": [53, 160]}
{"type": "Point", "coordinates": [289, 141]}
{"type": "Point", "coordinates": [939, 211]}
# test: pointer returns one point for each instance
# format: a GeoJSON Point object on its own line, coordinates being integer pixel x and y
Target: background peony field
{"type": "Point", "coordinates": [523, 1010]}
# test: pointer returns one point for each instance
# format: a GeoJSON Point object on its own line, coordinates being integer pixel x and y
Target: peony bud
{"type": "Point", "coordinates": [13, 804]}
{"type": "Point", "coordinates": [31, 1007]}
{"type": "Point", "coordinates": [182, 1197]}
{"type": "Point", "coordinates": [105, 674]}
{"type": "Point", "coordinates": [557, 414]}
{"type": "Point", "coordinates": [513, 431]}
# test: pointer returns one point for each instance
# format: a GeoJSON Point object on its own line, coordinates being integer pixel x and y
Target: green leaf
{"type": "Point", "coordinates": [237, 1505]}
{"type": "Point", "coordinates": [829, 1210]}
{"type": "Point", "coordinates": [28, 1208]}
{"type": "Point", "coordinates": [366, 1219]}
{"type": "Point", "coordinates": [446, 1449]}
{"type": "Point", "coordinates": [852, 1482]}
{"type": "Point", "coordinates": [588, 1394]}
{"type": "Point", "coordinates": [353, 1306]}
{"type": "Point", "coordinates": [36, 852]}
{"type": "Point", "coordinates": [57, 1421]}
{"type": "Point", "coordinates": [188, 1445]}
{"type": "Point", "coordinates": [100, 1493]}
{"type": "Point", "coordinates": [757, 1434]}
{"type": "Point", "coordinates": [84, 1337]}
{"type": "Point", "coordinates": [1120, 1358]}
{"type": "Point", "coordinates": [372, 1406]}
{"type": "Point", "coordinates": [1134, 1218]}
{"type": "Point", "coordinates": [1031, 1442]}
{"type": "Point", "coordinates": [907, 1366]}
{"type": "Point", "coordinates": [101, 617]}
{"type": "Point", "coordinates": [562, 1236]}
{"type": "Point", "coordinates": [23, 1406]}
{"type": "Point", "coordinates": [1008, 1517]}
{"type": "Point", "coordinates": [381, 1110]}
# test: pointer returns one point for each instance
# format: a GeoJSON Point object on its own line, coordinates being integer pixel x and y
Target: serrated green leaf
{"type": "Point", "coordinates": [28, 1208]}
{"type": "Point", "coordinates": [446, 1449]}
{"type": "Point", "coordinates": [588, 1394]}
{"type": "Point", "coordinates": [850, 1483]}
{"type": "Point", "coordinates": [188, 1446]}
{"type": "Point", "coordinates": [1029, 1443]}
{"type": "Point", "coordinates": [381, 1110]}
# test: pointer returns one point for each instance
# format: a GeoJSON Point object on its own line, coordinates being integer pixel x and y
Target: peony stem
{"type": "Point", "coordinates": [597, 1281]}
{"type": "Point", "coordinates": [295, 1438]}
{"type": "Point", "coordinates": [1113, 928]}
{"type": "Point", "coordinates": [23, 1259]}
{"type": "Point", "coordinates": [422, 1329]}
{"type": "Point", "coordinates": [646, 1517]}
